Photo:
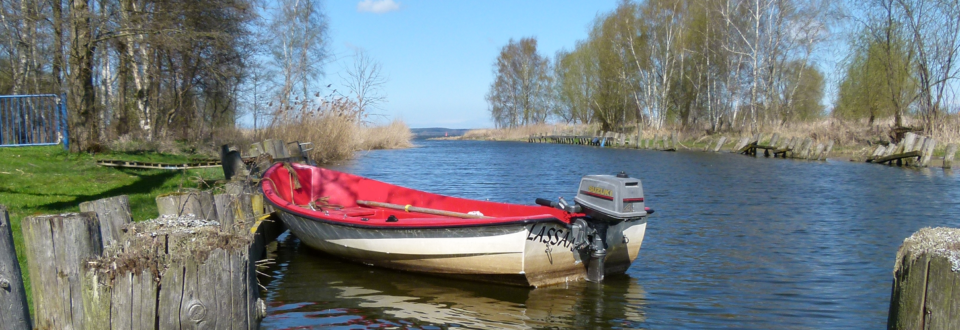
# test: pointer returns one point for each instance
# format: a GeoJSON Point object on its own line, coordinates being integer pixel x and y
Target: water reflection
{"type": "Point", "coordinates": [310, 289]}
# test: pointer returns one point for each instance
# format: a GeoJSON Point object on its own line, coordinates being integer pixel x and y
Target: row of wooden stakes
{"type": "Point", "coordinates": [194, 267]}
{"type": "Point", "coordinates": [667, 142]}
{"type": "Point", "coordinates": [797, 148]}
{"type": "Point", "coordinates": [913, 150]}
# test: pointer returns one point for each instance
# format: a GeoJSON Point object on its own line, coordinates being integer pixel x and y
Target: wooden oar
{"type": "Point", "coordinates": [409, 208]}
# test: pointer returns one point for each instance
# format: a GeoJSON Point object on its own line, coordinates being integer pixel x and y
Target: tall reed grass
{"type": "Point", "coordinates": [335, 130]}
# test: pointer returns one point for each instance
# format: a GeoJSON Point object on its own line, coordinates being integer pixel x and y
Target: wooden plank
{"type": "Point", "coordinates": [56, 247]}
{"type": "Point", "coordinates": [908, 141]}
{"type": "Point", "coordinates": [14, 312]}
{"type": "Point", "coordinates": [121, 308]}
{"type": "Point", "coordinates": [200, 204]}
{"type": "Point", "coordinates": [171, 294]}
{"type": "Point", "coordinates": [897, 156]}
{"type": "Point", "coordinates": [113, 214]}
{"type": "Point", "coordinates": [238, 290]}
{"type": "Point", "coordinates": [96, 300]}
{"type": "Point", "coordinates": [949, 154]}
{"type": "Point", "coordinates": [147, 308]}
{"type": "Point", "coordinates": [774, 139]}
{"type": "Point", "coordinates": [675, 143]}
{"type": "Point", "coordinates": [158, 166]}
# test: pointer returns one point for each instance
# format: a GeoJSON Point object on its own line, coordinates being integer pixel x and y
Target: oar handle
{"type": "Point", "coordinates": [410, 208]}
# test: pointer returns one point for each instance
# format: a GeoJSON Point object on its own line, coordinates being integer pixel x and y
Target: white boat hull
{"type": "Point", "coordinates": [532, 253]}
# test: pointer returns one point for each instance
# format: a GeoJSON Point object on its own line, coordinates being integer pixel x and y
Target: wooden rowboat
{"type": "Point", "coordinates": [385, 225]}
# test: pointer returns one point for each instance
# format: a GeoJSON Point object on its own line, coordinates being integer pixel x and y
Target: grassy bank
{"type": "Point", "coordinates": [48, 180]}
{"type": "Point", "coordinates": [852, 138]}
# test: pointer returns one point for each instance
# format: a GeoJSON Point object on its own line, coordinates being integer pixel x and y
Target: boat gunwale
{"type": "Point", "coordinates": [398, 226]}
{"type": "Point", "coordinates": [314, 215]}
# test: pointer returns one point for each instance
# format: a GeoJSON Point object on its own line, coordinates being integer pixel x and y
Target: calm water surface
{"type": "Point", "coordinates": [736, 242]}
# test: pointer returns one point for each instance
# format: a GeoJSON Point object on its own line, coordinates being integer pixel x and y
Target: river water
{"type": "Point", "coordinates": [736, 242]}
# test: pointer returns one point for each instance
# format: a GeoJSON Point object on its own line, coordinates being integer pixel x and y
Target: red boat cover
{"type": "Point", "coordinates": [329, 195]}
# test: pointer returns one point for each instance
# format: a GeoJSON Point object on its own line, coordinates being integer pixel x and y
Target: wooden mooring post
{"type": "Point", "coordinates": [926, 279]}
{"type": "Point", "coordinates": [948, 156]}
{"type": "Point", "coordinates": [57, 246]}
{"type": "Point", "coordinates": [720, 143]}
{"type": "Point", "coordinates": [14, 312]}
{"type": "Point", "coordinates": [177, 271]}
{"type": "Point", "coordinates": [113, 214]}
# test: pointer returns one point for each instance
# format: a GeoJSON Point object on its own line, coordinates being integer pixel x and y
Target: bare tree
{"type": "Point", "coordinates": [299, 47]}
{"type": "Point", "coordinates": [364, 80]}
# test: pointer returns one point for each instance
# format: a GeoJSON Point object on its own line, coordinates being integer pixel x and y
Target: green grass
{"type": "Point", "coordinates": [48, 180]}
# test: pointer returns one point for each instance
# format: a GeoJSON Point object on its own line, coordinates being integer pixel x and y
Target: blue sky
{"type": "Point", "coordinates": [438, 55]}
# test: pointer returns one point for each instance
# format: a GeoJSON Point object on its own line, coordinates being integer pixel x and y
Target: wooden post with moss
{"type": "Point", "coordinates": [14, 312]}
{"type": "Point", "coordinates": [178, 271]}
{"type": "Point", "coordinates": [57, 246]}
{"type": "Point", "coordinates": [926, 279]}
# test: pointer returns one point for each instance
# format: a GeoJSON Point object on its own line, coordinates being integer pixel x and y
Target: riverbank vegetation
{"type": "Point", "coordinates": [743, 67]}
{"type": "Point", "coordinates": [185, 75]}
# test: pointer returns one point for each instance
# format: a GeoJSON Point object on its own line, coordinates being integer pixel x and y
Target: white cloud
{"type": "Point", "coordinates": [378, 6]}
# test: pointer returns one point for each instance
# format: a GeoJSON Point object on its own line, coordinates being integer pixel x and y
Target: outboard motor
{"type": "Point", "coordinates": [605, 200]}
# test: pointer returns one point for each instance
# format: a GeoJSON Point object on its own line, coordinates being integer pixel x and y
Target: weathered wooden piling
{"type": "Point", "coordinates": [199, 203]}
{"type": "Point", "coordinates": [926, 278]}
{"type": "Point", "coordinates": [948, 156]}
{"type": "Point", "coordinates": [14, 312]}
{"type": "Point", "coordinates": [742, 143]}
{"type": "Point", "coordinates": [56, 247]}
{"type": "Point", "coordinates": [720, 142]}
{"type": "Point", "coordinates": [113, 214]}
{"type": "Point", "coordinates": [927, 153]}
{"type": "Point", "coordinates": [175, 272]}
{"type": "Point", "coordinates": [235, 212]}
{"type": "Point", "coordinates": [826, 153]}
{"type": "Point", "coordinates": [908, 141]}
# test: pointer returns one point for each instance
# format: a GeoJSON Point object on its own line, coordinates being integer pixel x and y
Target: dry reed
{"type": "Point", "coordinates": [334, 130]}
{"type": "Point", "coordinates": [395, 135]}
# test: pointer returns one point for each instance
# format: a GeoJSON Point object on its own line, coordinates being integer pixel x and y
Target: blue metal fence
{"type": "Point", "coordinates": [33, 120]}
